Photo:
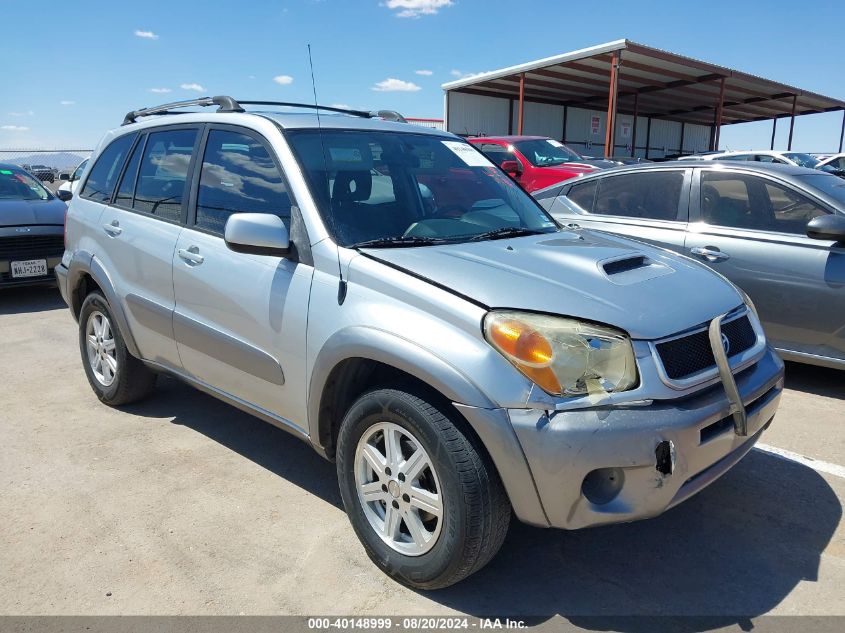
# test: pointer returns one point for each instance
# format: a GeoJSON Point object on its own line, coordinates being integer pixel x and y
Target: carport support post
{"type": "Point", "coordinates": [792, 122]}
{"type": "Point", "coordinates": [611, 105]}
{"type": "Point", "coordinates": [521, 103]}
{"type": "Point", "coordinates": [774, 130]}
{"type": "Point", "coordinates": [718, 122]}
{"type": "Point", "coordinates": [647, 136]}
{"type": "Point", "coordinates": [842, 132]}
{"type": "Point", "coordinates": [634, 126]}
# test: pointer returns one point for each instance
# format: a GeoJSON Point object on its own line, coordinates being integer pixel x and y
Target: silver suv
{"type": "Point", "coordinates": [390, 296]}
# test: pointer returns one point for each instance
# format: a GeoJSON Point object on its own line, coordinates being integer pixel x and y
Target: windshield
{"type": "Point", "coordinates": [410, 189]}
{"type": "Point", "coordinates": [18, 185]}
{"type": "Point", "coordinates": [803, 160]}
{"type": "Point", "coordinates": [544, 152]}
{"type": "Point", "coordinates": [828, 183]}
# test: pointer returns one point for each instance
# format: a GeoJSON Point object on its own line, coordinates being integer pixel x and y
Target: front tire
{"type": "Point", "coordinates": [114, 374]}
{"type": "Point", "coordinates": [427, 505]}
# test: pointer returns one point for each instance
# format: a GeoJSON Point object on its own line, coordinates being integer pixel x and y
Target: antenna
{"type": "Point", "coordinates": [341, 288]}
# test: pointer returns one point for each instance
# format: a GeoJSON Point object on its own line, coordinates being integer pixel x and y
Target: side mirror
{"type": "Point", "coordinates": [511, 167]}
{"type": "Point", "coordinates": [257, 233]}
{"type": "Point", "coordinates": [64, 176]}
{"type": "Point", "coordinates": [827, 227]}
{"type": "Point", "coordinates": [64, 195]}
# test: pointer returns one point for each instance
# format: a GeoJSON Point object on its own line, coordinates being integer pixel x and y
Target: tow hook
{"type": "Point", "coordinates": [664, 455]}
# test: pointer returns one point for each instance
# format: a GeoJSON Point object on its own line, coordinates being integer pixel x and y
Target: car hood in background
{"type": "Point", "coordinates": [601, 163]}
{"type": "Point", "coordinates": [32, 212]}
{"type": "Point", "coordinates": [644, 290]}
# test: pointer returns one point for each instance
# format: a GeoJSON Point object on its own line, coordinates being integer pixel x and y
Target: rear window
{"type": "Point", "coordinates": [651, 195]}
{"type": "Point", "coordinates": [106, 169]}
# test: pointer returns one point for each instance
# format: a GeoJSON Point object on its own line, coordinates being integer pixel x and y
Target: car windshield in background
{"type": "Point", "coordinates": [19, 185]}
{"type": "Point", "coordinates": [828, 183]}
{"type": "Point", "coordinates": [546, 152]}
{"type": "Point", "coordinates": [803, 160]}
{"type": "Point", "coordinates": [385, 189]}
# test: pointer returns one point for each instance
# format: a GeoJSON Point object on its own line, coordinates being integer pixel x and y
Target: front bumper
{"type": "Point", "coordinates": [61, 281]}
{"type": "Point", "coordinates": [649, 457]}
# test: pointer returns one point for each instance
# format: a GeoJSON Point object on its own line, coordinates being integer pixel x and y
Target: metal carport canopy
{"type": "Point", "coordinates": [631, 78]}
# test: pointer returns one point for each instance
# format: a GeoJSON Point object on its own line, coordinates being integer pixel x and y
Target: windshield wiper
{"type": "Point", "coordinates": [507, 231]}
{"type": "Point", "coordinates": [398, 242]}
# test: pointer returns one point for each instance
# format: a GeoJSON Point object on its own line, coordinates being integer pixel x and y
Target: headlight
{"type": "Point", "coordinates": [563, 356]}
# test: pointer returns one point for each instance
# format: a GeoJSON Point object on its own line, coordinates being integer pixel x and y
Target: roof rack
{"type": "Point", "coordinates": [228, 104]}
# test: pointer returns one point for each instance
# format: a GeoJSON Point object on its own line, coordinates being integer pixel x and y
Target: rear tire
{"type": "Point", "coordinates": [439, 486]}
{"type": "Point", "coordinates": [114, 374]}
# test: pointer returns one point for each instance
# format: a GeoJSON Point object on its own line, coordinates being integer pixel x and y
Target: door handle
{"type": "Point", "coordinates": [710, 253]}
{"type": "Point", "coordinates": [191, 255]}
{"type": "Point", "coordinates": [113, 229]}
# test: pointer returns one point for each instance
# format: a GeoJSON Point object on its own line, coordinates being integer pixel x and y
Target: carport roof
{"type": "Point", "coordinates": [664, 85]}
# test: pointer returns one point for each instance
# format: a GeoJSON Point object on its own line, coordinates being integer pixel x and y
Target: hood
{"type": "Point", "coordinates": [32, 212]}
{"type": "Point", "coordinates": [646, 291]}
{"type": "Point", "coordinates": [601, 163]}
{"type": "Point", "coordinates": [580, 167]}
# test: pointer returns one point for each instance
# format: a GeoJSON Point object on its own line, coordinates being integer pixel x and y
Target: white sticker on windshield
{"type": "Point", "coordinates": [554, 143]}
{"type": "Point", "coordinates": [468, 154]}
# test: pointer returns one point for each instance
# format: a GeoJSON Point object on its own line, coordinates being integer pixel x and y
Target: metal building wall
{"type": "Point", "coordinates": [539, 119]}
{"type": "Point", "coordinates": [477, 115]}
{"type": "Point", "coordinates": [696, 138]}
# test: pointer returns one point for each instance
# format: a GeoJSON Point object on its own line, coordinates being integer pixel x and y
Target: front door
{"type": "Point", "coordinates": [751, 228]}
{"type": "Point", "coordinates": [240, 319]}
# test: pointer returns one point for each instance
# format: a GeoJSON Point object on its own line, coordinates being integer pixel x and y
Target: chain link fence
{"type": "Point", "coordinates": [49, 165]}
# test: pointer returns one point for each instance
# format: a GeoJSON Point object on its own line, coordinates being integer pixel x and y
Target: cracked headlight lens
{"type": "Point", "coordinates": [564, 356]}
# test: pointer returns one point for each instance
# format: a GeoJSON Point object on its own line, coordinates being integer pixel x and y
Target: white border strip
{"type": "Point", "coordinates": [815, 464]}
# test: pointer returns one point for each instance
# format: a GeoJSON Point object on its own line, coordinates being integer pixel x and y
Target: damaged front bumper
{"type": "Point", "coordinates": [620, 462]}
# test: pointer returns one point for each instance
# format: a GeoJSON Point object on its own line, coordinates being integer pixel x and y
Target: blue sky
{"type": "Point", "coordinates": [72, 71]}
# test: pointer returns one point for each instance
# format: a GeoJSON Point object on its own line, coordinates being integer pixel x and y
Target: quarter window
{"type": "Point", "coordinates": [651, 195]}
{"type": "Point", "coordinates": [163, 173]}
{"type": "Point", "coordinates": [104, 173]}
{"type": "Point", "coordinates": [750, 202]}
{"type": "Point", "coordinates": [238, 176]}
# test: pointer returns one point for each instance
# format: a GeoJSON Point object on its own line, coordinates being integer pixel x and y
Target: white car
{"type": "Point", "coordinates": [69, 184]}
{"type": "Point", "coordinates": [799, 159]}
{"type": "Point", "coordinates": [835, 162]}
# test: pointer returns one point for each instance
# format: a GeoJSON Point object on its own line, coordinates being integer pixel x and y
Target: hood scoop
{"type": "Point", "coordinates": [632, 269]}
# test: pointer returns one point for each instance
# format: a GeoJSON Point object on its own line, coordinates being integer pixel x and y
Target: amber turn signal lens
{"type": "Point", "coordinates": [529, 350]}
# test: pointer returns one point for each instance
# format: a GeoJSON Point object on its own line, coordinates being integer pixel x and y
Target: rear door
{"type": "Point", "coordinates": [751, 228]}
{"type": "Point", "coordinates": [650, 205]}
{"type": "Point", "coordinates": [139, 231]}
{"type": "Point", "coordinates": [240, 320]}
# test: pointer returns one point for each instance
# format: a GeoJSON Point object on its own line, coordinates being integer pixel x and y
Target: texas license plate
{"type": "Point", "coordinates": [29, 268]}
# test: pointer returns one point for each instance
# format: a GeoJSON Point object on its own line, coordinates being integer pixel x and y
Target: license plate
{"type": "Point", "coordinates": [29, 268]}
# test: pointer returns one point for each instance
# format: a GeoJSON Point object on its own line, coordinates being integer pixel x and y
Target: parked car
{"type": "Point", "coordinates": [31, 229]}
{"type": "Point", "coordinates": [835, 162]}
{"type": "Point", "coordinates": [43, 172]}
{"type": "Point", "coordinates": [533, 161]}
{"type": "Point", "coordinates": [778, 232]}
{"type": "Point", "coordinates": [458, 354]}
{"type": "Point", "coordinates": [799, 159]}
{"type": "Point", "coordinates": [68, 187]}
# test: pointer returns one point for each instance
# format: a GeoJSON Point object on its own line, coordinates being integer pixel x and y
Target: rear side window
{"type": "Point", "coordinates": [649, 195]}
{"type": "Point", "coordinates": [104, 173]}
{"type": "Point", "coordinates": [163, 173]}
{"type": "Point", "coordinates": [126, 190]}
{"type": "Point", "coordinates": [238, 176]}
{"type": "Point", "coordinates": [583, 195]}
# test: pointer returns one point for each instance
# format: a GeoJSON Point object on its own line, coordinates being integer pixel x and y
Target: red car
{"type": "Point", "coordinates": [533, 161]}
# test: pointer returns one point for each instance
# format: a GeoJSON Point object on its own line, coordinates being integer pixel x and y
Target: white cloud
{"type": "Point", "coordinates": [14, 128]}
{"type": "Point", "coordinates": [416, 8]}
{"type": "Point", "coordinates": [395, 85]}
{"type": "Point", "coordinates": [27, 113]}
{"type": "Point", "coordinates": [194, 87]}
{"type": "Point", "coordinates": [462, 75]}
{"type": "Point", "coordinates": [283, 80]}
{"type": "Point", "coordinates": [424, 73]}
{"type": "Point", "coordinates": [147, 35]}
{"type": "Point", "coordinates": [66, 102]}
{"type": "Point", "coordinates": [160, 91]}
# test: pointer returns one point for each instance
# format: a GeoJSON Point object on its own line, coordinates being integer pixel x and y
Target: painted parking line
{"type": "Point", "coordinates": [815, 464]}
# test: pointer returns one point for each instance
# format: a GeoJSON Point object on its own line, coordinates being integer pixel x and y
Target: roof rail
{"type": "Point", "coordinates": [228, 104]}
{"type": "Point", "coordinates": [224, 103]}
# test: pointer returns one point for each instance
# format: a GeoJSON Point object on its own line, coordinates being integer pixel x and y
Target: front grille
{"type": "Point", "coordinates": [31, 246]}
{"type": "Point", "coordinates": [688, 355]}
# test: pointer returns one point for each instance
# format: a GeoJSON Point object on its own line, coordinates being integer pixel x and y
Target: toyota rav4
{"type": "Point", "coordinates": [387, 294]}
